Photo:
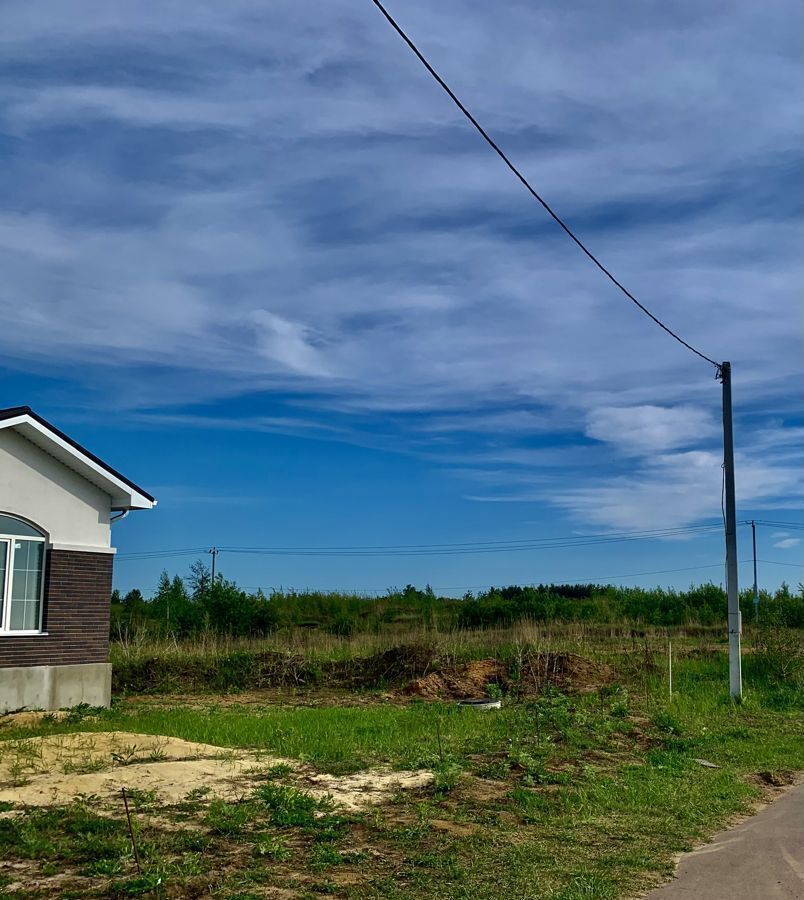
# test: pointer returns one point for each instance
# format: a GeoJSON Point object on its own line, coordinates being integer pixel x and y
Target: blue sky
{"type": "Point", "coordinates": [253, 257]}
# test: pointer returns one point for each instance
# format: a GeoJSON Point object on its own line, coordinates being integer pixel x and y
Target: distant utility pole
{"type": "Point", "coordinates": [213, 552]}
{"type": "Point", "coordinates": [756, 592]}
{"type": "Point", "coordinates": [732, 587]}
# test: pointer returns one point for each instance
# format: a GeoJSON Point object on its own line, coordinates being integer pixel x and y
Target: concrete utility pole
{"type": "Point", "coordinates": [756, 591]}
{"type": "Point", "coordinates": [732, 587]}
{"type": "Point", "coordinates": [213, 552]}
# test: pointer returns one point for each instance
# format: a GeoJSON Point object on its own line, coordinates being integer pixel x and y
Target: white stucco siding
{"type": "Point", "coordinates": [34, 485]}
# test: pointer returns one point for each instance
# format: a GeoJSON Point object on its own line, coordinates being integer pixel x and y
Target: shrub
{"type": "Point", "coordinates": [779, 654]}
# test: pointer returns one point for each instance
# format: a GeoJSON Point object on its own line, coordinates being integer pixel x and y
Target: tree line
{"type": "Point", "coordinates": [186, 606]}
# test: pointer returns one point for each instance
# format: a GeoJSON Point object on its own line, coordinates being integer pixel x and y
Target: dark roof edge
{"type": "Point", "coordinates": [14, 411]}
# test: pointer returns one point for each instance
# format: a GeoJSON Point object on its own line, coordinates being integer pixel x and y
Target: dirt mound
{"type": "Point", "coordinates": [466, 682]}
{"type": "Point", "coordinates": [563, 671]}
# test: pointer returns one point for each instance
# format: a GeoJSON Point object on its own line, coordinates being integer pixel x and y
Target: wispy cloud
{"type": "Point", "coordinates": [288, 207]}
{"type": "Point", "coordinates": [783, 541]}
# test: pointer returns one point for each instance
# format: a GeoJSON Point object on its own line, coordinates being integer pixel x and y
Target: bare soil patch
{"type": "Point", "coordinates": [270, 696]}
{"type": "Point", "coordinates": [53, 771]}
{"type": "Point", "coordinates": [470, 681]}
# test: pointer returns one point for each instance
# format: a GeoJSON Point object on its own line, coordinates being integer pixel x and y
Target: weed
{"type": "Point", "coordinates": [107, 867]}
{"type": "Point", "coordinates": [142, 799]}
{"type": "Point", "coordinates": [77, 714]}
{"type": "Point", "coordinates": [277, 772]}
{"type": "Point", "coordinates": [271, 848]}
{"type": "Point", "coordinates": [667, 722]}
{"type": "Point", "coordinates": [83, 767]}
{"type": "Point", "coordinates": [446, 777]}
{"type": "Point", "coordinates": [146, 883]}
{"type": "Point", "coordinates": [619, 709]}
{"type": "Point", "coordinates": [230, 818]}
{"type": "Point", "coordinates": [322, 856]}
{"type": "Point", "coordinates": [287, 806]}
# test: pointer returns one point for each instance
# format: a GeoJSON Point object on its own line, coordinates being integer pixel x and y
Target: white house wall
{"type": "Point", "coordinates": [74, 513]}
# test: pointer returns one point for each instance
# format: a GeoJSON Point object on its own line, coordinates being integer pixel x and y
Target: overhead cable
{"type": "Point", "coordinates": [494, 146]}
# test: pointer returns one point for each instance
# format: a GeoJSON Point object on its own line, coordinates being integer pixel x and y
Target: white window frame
{"type": "Point", "coordinates": [9, 539]}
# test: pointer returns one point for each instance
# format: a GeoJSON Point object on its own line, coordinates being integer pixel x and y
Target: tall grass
{"type": "Point", "coordinates": [210, 661]}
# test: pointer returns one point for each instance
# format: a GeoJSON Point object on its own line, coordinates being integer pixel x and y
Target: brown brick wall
{"type": "Point", "coordinates": [78, 589]}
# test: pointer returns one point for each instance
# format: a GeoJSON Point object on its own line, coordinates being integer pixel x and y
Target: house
{"type": "Point", "coordinates": [57, 505]}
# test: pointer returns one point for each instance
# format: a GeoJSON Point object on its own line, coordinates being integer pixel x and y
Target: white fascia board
{"type": "Point", "coordinates": [123, 495]}
{"type": "Point", "coordinates": [82, 548]}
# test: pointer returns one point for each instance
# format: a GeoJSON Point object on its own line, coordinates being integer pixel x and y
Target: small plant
{"type": "Point", "coordinates": [277, 772]}
{"type": "Point", "coordinates": [83, 711]}
{"type": "Point", "coordinates": [104, 867]}
{"type": "Point", "coordinates": [494, 691]}
{"type": "Point", "coordinates": [322, 856]}
{"type": "Point", "coordinates": [619, 709]}
{"type": "Point", "coordinates": [272, 848]}
{"type": "Point", "coordinates": [83, 767]}
{"type": "Point", "coordinates": [229, 818]}
{"type": "Point", "coordinates": [146, 883]}
{"type": "Point", "coordinates": [667, 723]}
{"type": "Point", "coordinates": [288, 806]}
{"type": "Point", "coordinates": [142, 800]}
{"type": "Point", "coordinates": [446, 777]}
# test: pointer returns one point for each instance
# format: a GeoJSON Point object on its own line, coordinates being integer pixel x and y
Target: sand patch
{"type": "Point", "coordinates": [53, 771]}
{"type": "Point", "coordinates": [367, 788]}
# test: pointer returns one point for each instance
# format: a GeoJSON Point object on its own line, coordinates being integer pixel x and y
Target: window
{"type": "Point", "coordinates": [22, 565]}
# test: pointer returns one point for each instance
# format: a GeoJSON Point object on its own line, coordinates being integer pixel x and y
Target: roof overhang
{"type": "Point", "coordinates": [124, 493]}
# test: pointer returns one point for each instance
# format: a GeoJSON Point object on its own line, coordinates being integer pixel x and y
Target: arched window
{"type": "Point", "coordinates": [22, 569]}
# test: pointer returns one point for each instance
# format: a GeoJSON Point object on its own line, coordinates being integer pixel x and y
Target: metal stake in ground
{"type": "Point", "coordinates": [131, 832]}
{"type": "Point", "coordinates": [732, 589]}
{"type": "Point", "coordinates": [670, 666]}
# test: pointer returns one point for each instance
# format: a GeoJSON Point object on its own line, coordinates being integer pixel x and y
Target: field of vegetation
{"type": "Point", "coordinates": [185, 607]}
{"type": "Point", "coordinates": [585, 783]}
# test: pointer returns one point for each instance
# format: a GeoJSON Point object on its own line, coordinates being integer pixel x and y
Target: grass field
{"type": "Point", "coordinates": [560, 795]}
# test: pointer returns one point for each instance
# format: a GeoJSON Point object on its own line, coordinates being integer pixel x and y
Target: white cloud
{"type": "Point", "coordinates": [678, 489]}
{"type": "Point", "coordinates": [640, 429]}
{"type": "Point", "coordinates": [787, 543]}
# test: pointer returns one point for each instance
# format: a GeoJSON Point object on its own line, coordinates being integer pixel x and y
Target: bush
{"type": "Point", "coordinates": [779, 654]}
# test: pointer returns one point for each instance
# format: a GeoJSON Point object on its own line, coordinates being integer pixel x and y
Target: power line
{"type": "Point", "coordinates": [161, 554]}
{"type": "Point", "coordinates": [645, 533]}
{"type": "Point", "coordinates": [443, 549]}
{"type": "Point", "coordinates": [435, 550]}
{"type": "Point", "coordinates": [494, 146]}
{"type": "Point", "coordinates": [772, 524]}
{"type": "Point", "coordinates": [778, 562]}
{"type": "Point", "coordinates": [597, 579]}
